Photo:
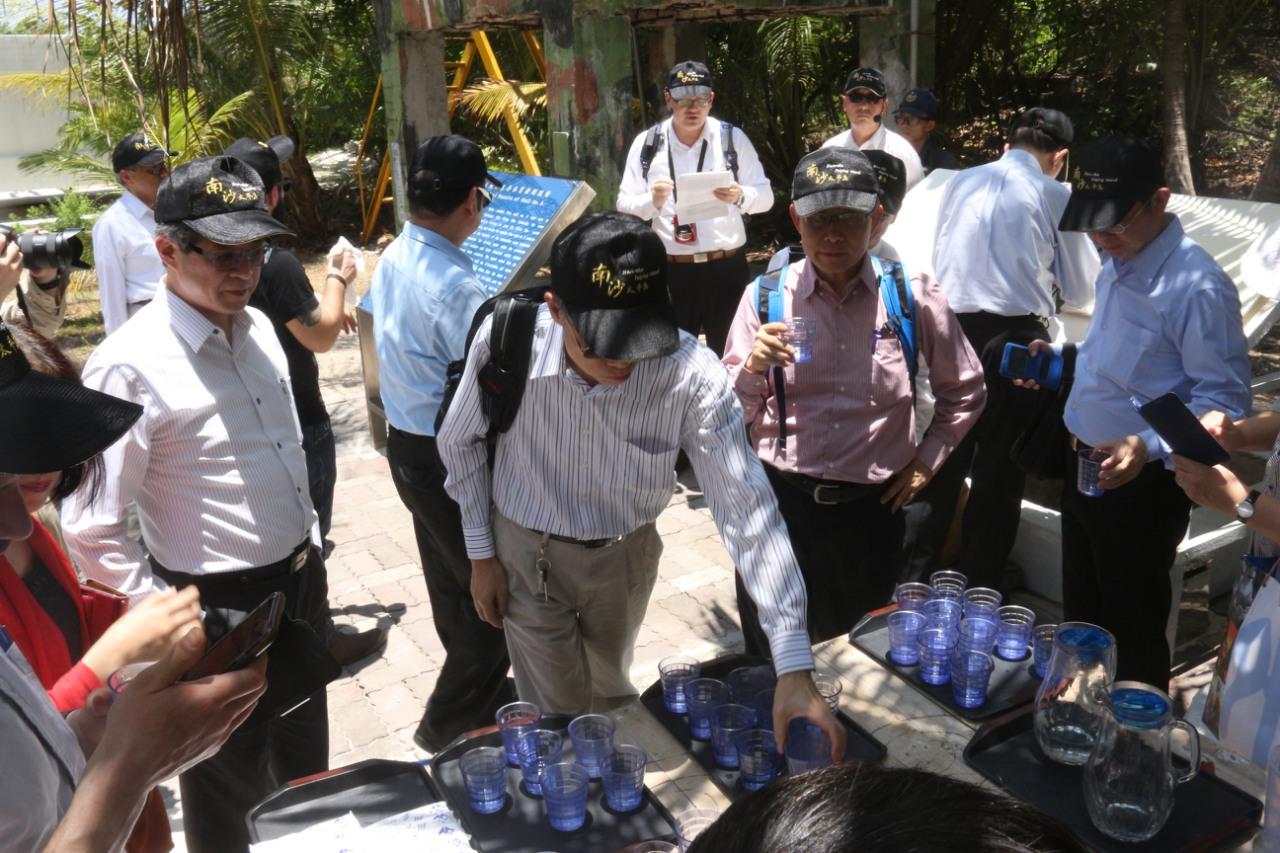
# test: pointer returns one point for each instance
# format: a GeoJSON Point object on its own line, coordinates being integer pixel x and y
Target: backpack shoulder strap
{"type": "Point", "coordinates": [899, 305]}
{"type": "Point", "coordinates": [649, 149]}
{"type": "Point", "coordinates": [769, 308]}
{"type": "Point", "coordinates": [502, 380]}
{"type": "Point", "coordinates": [730, 153]}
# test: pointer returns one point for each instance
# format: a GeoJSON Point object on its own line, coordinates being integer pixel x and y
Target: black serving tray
{"type": "Point", "coordinates": [1207, 812]}
{"type": "Point", "coordinates": [372, 790]}
{"type": "Point", "coordinates": [521, 826]}
{"type": "Point", "coordinates": [1013, 683]}
{"type": "Point", "coordinates": [861, 745]}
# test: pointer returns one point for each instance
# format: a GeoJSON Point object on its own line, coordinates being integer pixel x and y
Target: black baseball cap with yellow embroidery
{"type": "Point", "coordinates": [891, 176]}
{"type": "Point", "coordinates": [866, 78]}
{"type": "Point", "coordinates": [220, 198]}
{"type": "Point", "coordinates": [138, 149]}
{"type": "Point", "coordinates": [834, 177]}
{"type": "Point", "coordinates": [690, 79]}
{"type": "Point", "coordinates": [609, 271]}
{"type": "Point", "coordinates": [1110, 176]}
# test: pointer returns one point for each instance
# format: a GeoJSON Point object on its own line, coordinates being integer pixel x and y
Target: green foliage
{"type": "Point", "coordinates": [68, 211]}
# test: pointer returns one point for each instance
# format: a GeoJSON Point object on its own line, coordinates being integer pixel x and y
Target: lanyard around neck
{"type": "Point", "coordinates": [671, 164]}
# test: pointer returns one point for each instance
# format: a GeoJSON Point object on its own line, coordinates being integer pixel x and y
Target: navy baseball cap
{"type": "Point", "coordinates": [609, 271]}
{"type": "Point", "coordinates": [866, 78]}
{"type": "Point", "coordinates": [138, 149]}
{"type": "Point", "coordinates": [891, 178]}
{"type": "Point", "coordinates": [690, 79]}
{"type": "Point", "coordinates": [265, 158]}
{"type": "Point", "coordinates": [920, 103]}
{"type": "Point", "coordinates": [219, 198]}
{"type": "Point", "coordinates": [1109, 177]}
{"type": "Point", "coordinates": [834, 177]}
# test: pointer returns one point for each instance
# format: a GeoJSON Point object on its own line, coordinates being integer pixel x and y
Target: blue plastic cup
{"type": "Point", "coordinates": [1042, 648]}
{"type": "Point", "coordinates": [912, 596]}
{"type": "Point", "coordinates": [514, 721]}
{"type": "Point", "coordinates": [564, 790]}
{"type": "Point", "coordinates": [982, 603]}
{"type": "Point", "coordinates": [800, 334]}
{"type": "Point", "coordinates": [808, 747]}
{"type": "Point", "coordinates": [935, 645]}
{"type": "Point", "coordinates": [676, 671]}
{"type": "Point", "coordinates": [592, 741]}
{"type": "Point", "coordinates": [948, 583]}
{"type": "Point", "coordinates": [970, 675]}
{"type": "Point", "coordinates": [747, 681]}
{"type": "Point", "coordinates": [538, 749]}
{"type": "Point", "coordinates": [759, 761]}
{"type": "Point", "coordinates": [704, 695]}
{"type": "Point", "coordinates": [1013, 632]}
{"type": "Point", "coordinates": [763, 706]}
{"type": "Point", "coordinates": [977, 635]}
{"type": "Point", "coordinates": [624, 777]}
{"type": "Point", "coordinates": [484, 772]}
{"type": "Point", "coordinates": [944, 613]}
{"type": "Point", "coordinates": [904, 631]}
{"type": "Point", "coordinates": [727, 722]}
{"type": "Point", "coordinates": [1088, 469]}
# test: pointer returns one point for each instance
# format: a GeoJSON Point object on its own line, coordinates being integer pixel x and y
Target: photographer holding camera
{"type": "Point", "coordinates": [36, 295]}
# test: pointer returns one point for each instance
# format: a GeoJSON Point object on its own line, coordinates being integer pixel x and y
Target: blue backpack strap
{"type": "Point", "coordinates": [769, 308]}
{"type": "Point", "coordinates": [900, 306]}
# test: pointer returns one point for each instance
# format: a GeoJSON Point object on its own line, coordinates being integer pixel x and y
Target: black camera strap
{"type": "Point", "coordinates": [671, 163]}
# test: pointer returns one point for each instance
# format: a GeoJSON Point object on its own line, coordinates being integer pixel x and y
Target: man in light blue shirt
{"type": "Point", "coordinates": [423, 297]}
{"type": "Point", "coordinates": [1167, 319]}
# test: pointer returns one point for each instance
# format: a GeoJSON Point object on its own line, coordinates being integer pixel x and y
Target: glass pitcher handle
{"type": "Point", "coordinates": [1193, 738]}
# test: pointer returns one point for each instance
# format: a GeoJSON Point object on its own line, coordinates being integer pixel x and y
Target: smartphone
{"type": "Point", "coordinates": [1044, 368]}
{"type": "Point", "coordinates": [1181, 429]}
{"type": "Point", "coordinates": [244, 643]}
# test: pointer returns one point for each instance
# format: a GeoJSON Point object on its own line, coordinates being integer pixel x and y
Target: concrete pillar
{"type": "Point", "coordinates": [887, 43]}
{"type": "Point", "coordinates": [590, 83]}
{"type": "Point", "coordinates": [414, 98]}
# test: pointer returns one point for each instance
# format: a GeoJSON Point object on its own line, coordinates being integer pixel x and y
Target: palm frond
{"type": "Point", "coordinates": [486, 101]}
{"type": "Point", "coordinates": [43, 85]}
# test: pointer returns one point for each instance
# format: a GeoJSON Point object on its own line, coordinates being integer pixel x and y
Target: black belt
{"type": "Point", "coordinates": [581, 543]}
{"type": "Point", "coordinates": [294, 562]}
{"type": "Point", "coordinates": [829, 492]}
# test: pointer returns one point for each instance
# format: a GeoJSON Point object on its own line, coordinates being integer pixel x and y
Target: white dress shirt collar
{"type": "Point", "coordinates": [136, 206]}
{"type": "Point", "coordinates": [195, 329]}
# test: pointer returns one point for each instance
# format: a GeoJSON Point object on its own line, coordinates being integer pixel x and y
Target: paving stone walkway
{"type": "Point", "coordinates": [374, 575]}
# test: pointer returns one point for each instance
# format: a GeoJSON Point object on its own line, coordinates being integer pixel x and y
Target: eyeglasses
{"type": "Point", "coordinates": [486, 197]}
{"type": "Point", "coordinates": [1123, 225]}
{"type": "Point", "coordinates": [908, 118]}
{"type": "Point", "coordinates": [231, 260]}
{"type": "Point", "coordinates": [863, 97]}
{"type": "Point", "coordinates": [843, 219]}
{"type": "Point", "coordinates": [157, 169]}
{"type": "Point", "coordinates": [692, 103]}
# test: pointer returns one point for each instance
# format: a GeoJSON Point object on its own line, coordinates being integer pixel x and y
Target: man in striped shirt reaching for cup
{"type": "Point", "coordinates": [561, 535]}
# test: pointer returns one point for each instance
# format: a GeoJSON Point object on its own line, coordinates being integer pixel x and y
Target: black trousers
{"type": "Point", "coordinates": [1116, 554]}
{"type": "Point", "coordinates": [846, 553]}
{"type": "Point", "coordinates": [473, 680]}
{"type": "Point", "coordinates": [991, 516]}
{"type": "Point", "coordinates": [706, 296]}
{"type": "Point", "coordinates": [267, 751]}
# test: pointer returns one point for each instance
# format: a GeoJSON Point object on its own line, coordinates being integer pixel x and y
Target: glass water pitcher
{"type": "Point", "coordinates": [1069, 711]}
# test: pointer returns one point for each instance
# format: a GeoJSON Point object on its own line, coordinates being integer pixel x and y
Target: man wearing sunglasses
{"type": "Point", "coordinates": [850, 460]}
{"type": "Point", "coordinates": [708, 264]}
{"type": "Point", "coordinates": [1167, 318]}
{"type": "Point", "coordinates": [216, 470]}
{"type": "Point", "coordinates": [865, 100]}
{"type": "Point", "coordinates": [124, 237]}
{"type": "Point", "coordinates": [423, 296]}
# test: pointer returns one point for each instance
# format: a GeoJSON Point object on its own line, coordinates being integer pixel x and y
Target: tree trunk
{"type": "Point", "coordinates": [1177, 152]}
{"type": "Point", "coordinates": [1268, 187]}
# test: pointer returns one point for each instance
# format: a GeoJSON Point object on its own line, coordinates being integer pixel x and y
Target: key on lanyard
{"type": "Point", "coordinates": [543, 565]}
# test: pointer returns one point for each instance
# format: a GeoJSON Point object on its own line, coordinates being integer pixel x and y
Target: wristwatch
{"type": "Point", "coordinates": [1244, 509]}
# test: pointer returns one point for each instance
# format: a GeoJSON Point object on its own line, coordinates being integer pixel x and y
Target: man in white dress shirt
{"type": "Point", "coordinates": [865, 100]}
{"type": "Point", "coordinates": [124, 237]}
{"type": "Point", "coordinates": [564, 551]}
{"type": "Point", "coordinates": [708, 265]}
{"type": "Point", "coordinates": [216, 469]}
{"type": "Point", "coordinates": [1000, 257]}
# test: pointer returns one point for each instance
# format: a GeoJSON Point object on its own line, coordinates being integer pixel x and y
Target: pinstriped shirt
{"type": "Point", "coordinates": [593, 462]}
{"type": "Point", "coordinates": [215, 463]}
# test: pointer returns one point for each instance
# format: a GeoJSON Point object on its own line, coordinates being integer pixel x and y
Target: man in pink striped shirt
{"type": "Point", "coordinates": [848, 459]}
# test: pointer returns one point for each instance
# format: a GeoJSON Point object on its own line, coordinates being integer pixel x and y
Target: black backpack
{"type": "Point", "coordinates": [502, 379]}
{"type": "Point", "coordinates": [653, 143]}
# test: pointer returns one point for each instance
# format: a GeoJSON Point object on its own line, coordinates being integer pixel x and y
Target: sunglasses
{"type": "Point", "coordinates": [692, 103]}
{"type": "Point", "coordinates": [863, 97]}
{"type": "Point", "coordinates": [486, 197]}
{"type": "Point", "coordinates": [231, 260]}
{"type": "Point", "coordinates": [157, 169]}
{"type": "Point", "coordinates": [843, 219]}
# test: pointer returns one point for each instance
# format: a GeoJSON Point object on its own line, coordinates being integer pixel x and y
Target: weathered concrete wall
{"type": "Point", "coordinates": [34, 120]}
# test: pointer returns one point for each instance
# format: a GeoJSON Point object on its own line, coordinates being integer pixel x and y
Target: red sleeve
{"type": "Point", "coordinates": [68, 692]}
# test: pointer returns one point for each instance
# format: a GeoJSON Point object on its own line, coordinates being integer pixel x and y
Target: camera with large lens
{"type": "Point", "coordinates": [48, 249]}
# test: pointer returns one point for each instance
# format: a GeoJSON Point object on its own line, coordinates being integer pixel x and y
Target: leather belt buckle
{"type": "Point", "coordinates": [699, 257]}
{"type": "Point", "coordinates": [817, 494]}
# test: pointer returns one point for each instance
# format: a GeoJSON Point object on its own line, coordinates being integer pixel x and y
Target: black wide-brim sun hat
{"type": "Point", "coordinates": [627, 334]}
{"type": "Point", "coordinates": [1095, 213]}
{"type": "Point", "coordinates": [237, 227]}
{"type": "Point", "coordinates": [51, 424]}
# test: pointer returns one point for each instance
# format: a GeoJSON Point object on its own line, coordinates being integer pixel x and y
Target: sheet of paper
{"type": "Point", "coordinates": [695, 195]}
{"type": "Point", "coordinates": [330, 836]}
{"type": "Point", "coordinates": [432, 827]}
{"type": "Point", "coordinates": [1251, 695]}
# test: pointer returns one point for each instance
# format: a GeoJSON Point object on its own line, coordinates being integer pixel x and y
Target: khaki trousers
{"type": "Point", "coordinates": [571, 651]}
